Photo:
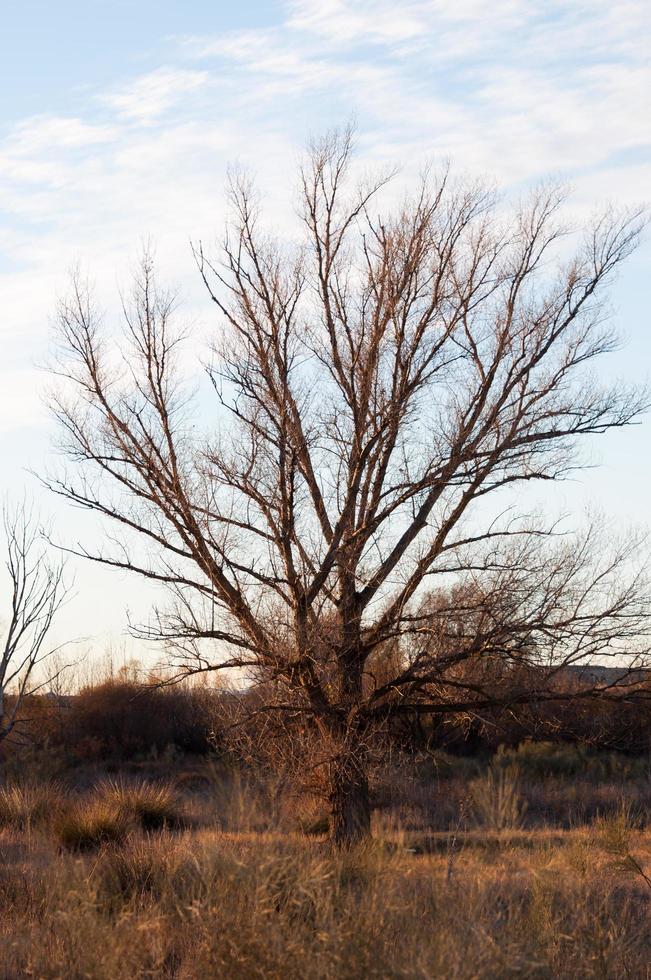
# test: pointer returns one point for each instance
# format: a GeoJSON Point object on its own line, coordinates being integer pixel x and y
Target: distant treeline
{"type": "Point", "coordinates": [120, 718]}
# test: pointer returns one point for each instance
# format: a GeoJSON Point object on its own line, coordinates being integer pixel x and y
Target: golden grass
{"type": "Point", "coordinates": [89, 824]}
{"type": "Point", "coordinates": [30, 805]}
{"type": "Point", "coordinates": [118, 883]}
{"type": "Point", "coordinates": [115, 810]}
{"type": "Point", "coordinates": [151, 805]}
{"type": "Point", "coordinates": [203, 904]}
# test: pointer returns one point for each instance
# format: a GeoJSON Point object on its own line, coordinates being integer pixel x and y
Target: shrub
{"type": "Point", "coordinates": [122, 719]}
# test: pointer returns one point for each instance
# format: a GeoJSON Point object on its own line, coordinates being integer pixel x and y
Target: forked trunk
{"type": "Point", "coordinates": [350, 801]}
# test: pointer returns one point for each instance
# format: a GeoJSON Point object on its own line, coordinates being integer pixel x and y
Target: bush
{"type": "Point", "coordinates": [123, 720]}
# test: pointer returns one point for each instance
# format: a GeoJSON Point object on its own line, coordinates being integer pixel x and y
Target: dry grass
{"type": "Point", "coordinates": [117, 882]}
{"type": "Point", "coordinates": [204, 902]}
{"type": "Point", "coordinates": [33, 804]}
{"type": "Point", "coordinates": [152, 806]}
{"type": "Point", "coordinates": [115, 810]}
{"type": "Point", "coordinates": [90, 824]}
{"type": "Point", "coordinates": [496, 800]}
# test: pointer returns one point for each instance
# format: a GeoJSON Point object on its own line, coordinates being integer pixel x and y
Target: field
{"type": "Point", "coordinates": [187, 869]}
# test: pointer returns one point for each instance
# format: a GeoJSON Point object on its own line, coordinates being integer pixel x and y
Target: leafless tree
{"type": "Point", "coordinates": [378, 390]}
{"type": "Point", "coordinates": [37, 592]}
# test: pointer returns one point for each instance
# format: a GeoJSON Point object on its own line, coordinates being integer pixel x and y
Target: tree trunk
{"type": "Point", "coordinates": [350, 800]}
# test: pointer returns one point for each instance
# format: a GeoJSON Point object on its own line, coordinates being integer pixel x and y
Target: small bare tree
{"type": "Point", "coordinates": [37, 592]}
{"type": "Point", "coordinates": [378, 387]}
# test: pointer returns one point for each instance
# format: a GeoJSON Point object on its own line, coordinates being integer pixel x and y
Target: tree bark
{"type": "Point", "coordinates": [350, 804]}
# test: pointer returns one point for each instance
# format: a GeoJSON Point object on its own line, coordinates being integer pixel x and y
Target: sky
{"type": "Point", "coordinates": [118, 121]}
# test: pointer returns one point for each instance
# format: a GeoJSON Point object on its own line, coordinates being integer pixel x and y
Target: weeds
{"type": "Point", "coordinates": [220, 905]}
{"type": "Point", "coordinates": [496, 800]}
{"type": "Point", "coordinates": [615, 833]}
{"type": "Point", "coordinates": [125, 894]}
{"type": "Point", "coordinates": [137, 871]}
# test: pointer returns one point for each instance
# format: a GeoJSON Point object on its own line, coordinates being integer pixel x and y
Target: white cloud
{"type": "Point", "coordinates": [57, 133]}
{"type": "Point", "coordinates": [32, 150]}
{"type": "Point", "coordinates": [146, 98]}
{"type": "Point", "coordinates": [385, 22]}
{"type": "Point", "coordinates": [514, 93]}
{"type": "Point", "coordinates": [510, 87]}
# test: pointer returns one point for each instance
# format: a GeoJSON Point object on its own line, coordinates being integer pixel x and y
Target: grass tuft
{"type": "Point", "coordinates": [151, 806]}
{"type": "Point", "coordinates": [496, 800]}
{"type": "Point", "coordinates": [23, 807]}
{"type": "Point", "coordinates": [90, 824]}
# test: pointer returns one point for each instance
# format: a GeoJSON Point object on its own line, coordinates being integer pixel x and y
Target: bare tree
{"type": "Point", "coordinates": [37, 592]}
{"type": "Point", "coordinates": [379, 388]}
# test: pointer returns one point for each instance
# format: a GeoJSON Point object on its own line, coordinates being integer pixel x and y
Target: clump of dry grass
{"type": "Point", "coordinates": [30, 805]}
{"type": "Point", "coordinates": [151, 806]}
{"type": "Point", "coordinates": [118, 808]}
{"type": "Point", "coordinates": [496, 799]}
{"type": "Point", "coordinates": [137, 872]}
{"type": "Point", "coordinates": [88, 824]}
{"type": "Point", "coordinates": [615, 834]}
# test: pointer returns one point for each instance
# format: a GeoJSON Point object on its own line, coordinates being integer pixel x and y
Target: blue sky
{"type": "Point", "coordinates": [55, 53]}
{"type": "Point", "coordinates": [118, 121]}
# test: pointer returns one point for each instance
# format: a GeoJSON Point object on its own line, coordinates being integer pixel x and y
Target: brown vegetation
{"type": "Point", "coordinates": [120, 902]}
{"type": "Point", "coordinates": [120, 721]}
{"type": "Point", "coordinates": [533, 860]}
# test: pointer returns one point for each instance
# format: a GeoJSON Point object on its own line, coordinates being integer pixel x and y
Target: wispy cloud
{"type": "Point", "coordinates": [32, 150]}
{"type": "Point", "coordinates": [514, 89]}
{"type": "Point", "coordinates": [517, 92]}
{"type": "Point", "coordinates": [48, 133]}
{"type": "Point", "coordinates": [520, 91]}
{"type": "Point", "coordinates": [147, 97]}
{"type": "Point", "coordinates": [398, 26]}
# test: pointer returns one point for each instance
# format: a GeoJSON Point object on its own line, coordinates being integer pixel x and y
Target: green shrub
{"type": "Point", "coordinates": [537, 760]}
